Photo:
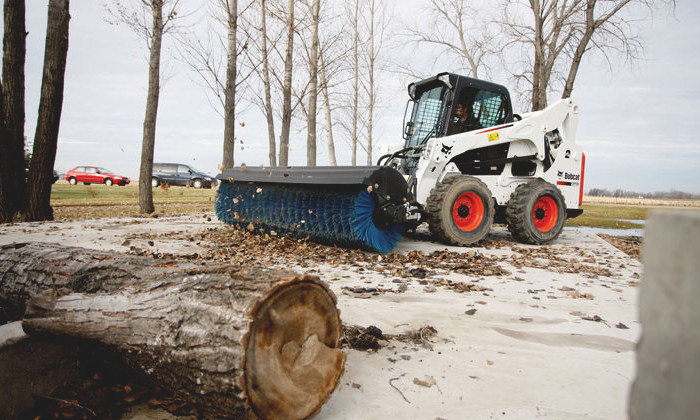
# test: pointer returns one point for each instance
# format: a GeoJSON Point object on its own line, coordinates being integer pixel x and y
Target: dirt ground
{"type": "Point", "coordinates": [499, 330]}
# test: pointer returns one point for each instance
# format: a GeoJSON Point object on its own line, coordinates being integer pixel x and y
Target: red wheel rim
{"type": "Point", "coordinates": [545, 214]}
{"type": "Point", "coordinates": [468, 211]}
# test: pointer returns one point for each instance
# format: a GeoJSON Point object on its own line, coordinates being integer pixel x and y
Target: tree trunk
{"type": "Point", "coordinates": [230, 90]}
{"type": "Point", "coordinates": [12, 111]}
{"type": "Point", "coordinates": [149, 122]}
{"type": "Point", "coordinates": [287, 88]}
{"type": "Point", "coordinates": [538, 86]}
{"type": "Point", "coordinates": [356, 81]}
{"type": "Point", "coordinates": [590, 27]}
{"type": "Point", "coordinates": [327, 105]}
{"type": "Point", "coordinates": [272, 153]}
{"type": "Point", "coordinates": [38, 197]}
{"type": "Point", "coordinates": [313, 86]}
{"type": "Point", "coordinates": [232, 342]}
{"type": "Point", "coordinates": [370, 90]}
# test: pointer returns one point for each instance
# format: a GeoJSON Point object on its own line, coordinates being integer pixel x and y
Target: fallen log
{"type": "Point", "coordinates": [232, 342]}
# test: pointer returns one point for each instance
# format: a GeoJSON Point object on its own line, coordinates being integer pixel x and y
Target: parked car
{"type": "Point", "coordinates": [54, 179]}
{"type": "Point", "coordinates": [179, 174]}
{"type": "Point", "coordinates": [95, 175]}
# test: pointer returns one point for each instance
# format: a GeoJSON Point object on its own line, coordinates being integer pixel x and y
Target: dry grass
{"type": "Point", "coordinates": [644, 202]}
{"type": "Point", "coordinates": [81, 202]}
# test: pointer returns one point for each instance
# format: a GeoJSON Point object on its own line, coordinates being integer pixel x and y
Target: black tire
{"type": "Point", "coordinates": [197, 183]}
{"type": "Point", "coordinates": [536, 212]}
{"type": "Point", "coordinates": [155, 182]}
{"type": "Point", "coordinates": [72, 181]}
{"type": "Point", "coordinates": [460, 210]}
{"type": "Point", "coordinates": [109, 182]}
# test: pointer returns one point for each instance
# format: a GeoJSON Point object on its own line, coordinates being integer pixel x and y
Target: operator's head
{"type": "Point", "coordinates": [461, 111]}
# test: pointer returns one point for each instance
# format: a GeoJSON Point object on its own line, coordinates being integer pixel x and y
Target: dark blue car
{"type": "Point", "coordinates": [180, 174]}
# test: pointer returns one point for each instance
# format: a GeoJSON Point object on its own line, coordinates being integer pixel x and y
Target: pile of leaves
{"type": "Point", "coordinates": [238, 246]}
{"type": "Point", "coordinates": [372, 338]}
{"type": "Point", "coordinates": [630, 245]}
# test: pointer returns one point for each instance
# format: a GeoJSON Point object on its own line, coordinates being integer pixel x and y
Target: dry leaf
{"type": "Point", "coordinates": [427, 382]}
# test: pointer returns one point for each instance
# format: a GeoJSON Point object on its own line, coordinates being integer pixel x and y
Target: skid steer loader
{"type": "Point", "coordinates": [459, 174]}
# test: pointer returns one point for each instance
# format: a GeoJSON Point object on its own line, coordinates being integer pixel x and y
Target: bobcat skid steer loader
{"type": "Point", "coordinates": [466, 160]}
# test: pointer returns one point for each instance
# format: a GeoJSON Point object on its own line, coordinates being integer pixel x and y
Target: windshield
{"type": "Point", "coordinates": [426, 115]}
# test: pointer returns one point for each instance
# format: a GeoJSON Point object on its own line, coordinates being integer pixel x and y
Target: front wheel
{"type": "Point", "coordinates": [197, 183]}
{"type": "Point", "coordinates": [460, 210]}
{"type": "Point", "coordinates": [536, 212]}
{"type": "Point", "coordinates": [108, 182]}
{"type": "Point", "coordinates": [72, 181]}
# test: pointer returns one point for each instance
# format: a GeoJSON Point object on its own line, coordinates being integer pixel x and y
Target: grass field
{"type": "Point", "coordinates": [610, 217]}
{"type": "Point", "coordinates": [79, 202]}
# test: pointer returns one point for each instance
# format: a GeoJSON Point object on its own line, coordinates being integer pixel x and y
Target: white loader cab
{"type": "Point", "coordinates": [468, 160]}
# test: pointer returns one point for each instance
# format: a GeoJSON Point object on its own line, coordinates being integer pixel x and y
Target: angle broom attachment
{"type": "Point", "coordinates": [346, 206]}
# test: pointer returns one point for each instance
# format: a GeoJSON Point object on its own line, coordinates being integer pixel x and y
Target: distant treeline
{"type": "Point", "coordinates": [668, 195]}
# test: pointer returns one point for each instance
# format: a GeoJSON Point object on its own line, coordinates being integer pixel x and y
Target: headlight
{"type": "Point", "coordinates": [206, 178]}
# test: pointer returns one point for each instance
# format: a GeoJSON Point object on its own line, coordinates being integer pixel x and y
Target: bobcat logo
{"type": "Point", "coordinates": [446, 149]}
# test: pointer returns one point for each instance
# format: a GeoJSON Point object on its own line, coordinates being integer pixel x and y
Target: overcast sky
{"type": "Point", "coordinates": [640, 127]}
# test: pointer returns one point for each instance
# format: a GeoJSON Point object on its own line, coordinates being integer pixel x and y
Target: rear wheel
{"type": "Point", "coordinates": [155, 182]}
{"type": "Point", "coordinates": [72, 181]}
{"type": "Point", "coordinates": [460, 210]}
{"type": "Point", "coordinates": [536, 212]}
{"type": "Point", "coordinates": [108, 182]}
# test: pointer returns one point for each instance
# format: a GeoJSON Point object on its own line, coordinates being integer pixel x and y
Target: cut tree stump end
{"type": "Point", "coordinates": [293, 362]}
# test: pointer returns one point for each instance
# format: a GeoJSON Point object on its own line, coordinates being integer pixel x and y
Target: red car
{"type": "Point", "coordinates": [94, 175]}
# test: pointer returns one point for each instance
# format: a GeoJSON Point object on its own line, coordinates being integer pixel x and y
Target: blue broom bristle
{"type": "Point", "coordinates": [342, 218]}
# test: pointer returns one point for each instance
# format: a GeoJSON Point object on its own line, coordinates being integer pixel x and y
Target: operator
{"type": "Point", "coordinates": [459, 123]}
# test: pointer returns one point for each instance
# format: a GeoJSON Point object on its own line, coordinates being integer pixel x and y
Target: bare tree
{"type": "Point", "coordinates": [355, 80]}
{"type": "Point", "coordinates": [12, 111]}
{"type": "Point", "coordinates": [313, 85]}
{"type": "Point", "coordinates": [266, 85]}
{"type": "Point", "coordinates": [327, 109]}
{"type": "Point", "coordinates": [231, 7]}
{"type": "Point", "coordinates": [603, 20]}
{"type": "Point", "coordinates": [376, 27]}
{"type": "Point", "coordinates": [287, 87]}
{"type": "Point", "coordinates": [146, 19]}
{"type": "Point", "coordinates": [454, 31]}
{"type": "Point", "coordinates": [38, 197]}
{"type": "Point", "coordinates": [371, 62]}
{"type": "Point", "coordinates": [555, 35]}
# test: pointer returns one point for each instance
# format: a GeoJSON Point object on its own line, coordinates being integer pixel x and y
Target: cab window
{"type": "Point", "coordinates": [489, 108]}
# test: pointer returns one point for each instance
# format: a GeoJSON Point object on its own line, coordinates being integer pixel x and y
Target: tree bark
{"type": "Point", "coordinates": [287, 88]}
{"type": "Point", "coordinates": [327, 105]}
{"type": "Point", "coordinates": [149, 122]}
{"type": "Point", "coordinates": [355, 81]}
{"type": "Point", "coordinates": [12, 111]}
{"type": "Point", "coordinates": [372, 57]}
{"type": "Point", "coordinates": [38, 197]}
{"type": "Point", "coordinates": [272, 153]}
{"type": "Point", "coordinates": [230, 90]}
{"type": "Point", "coordinates": [313, 86]}
{"type": "Point", "coordinates": [235, 343]}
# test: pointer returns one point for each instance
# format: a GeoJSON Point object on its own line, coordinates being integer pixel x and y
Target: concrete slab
{"type": "Point", "coordinates": [553, 338]}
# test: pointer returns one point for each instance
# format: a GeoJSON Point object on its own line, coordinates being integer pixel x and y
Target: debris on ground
{"type": "Point", "coordinates": [630, 245]}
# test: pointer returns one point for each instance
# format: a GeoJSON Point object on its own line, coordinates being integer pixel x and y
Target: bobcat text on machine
{"type": "Point", "coordinates": [466, 161]}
